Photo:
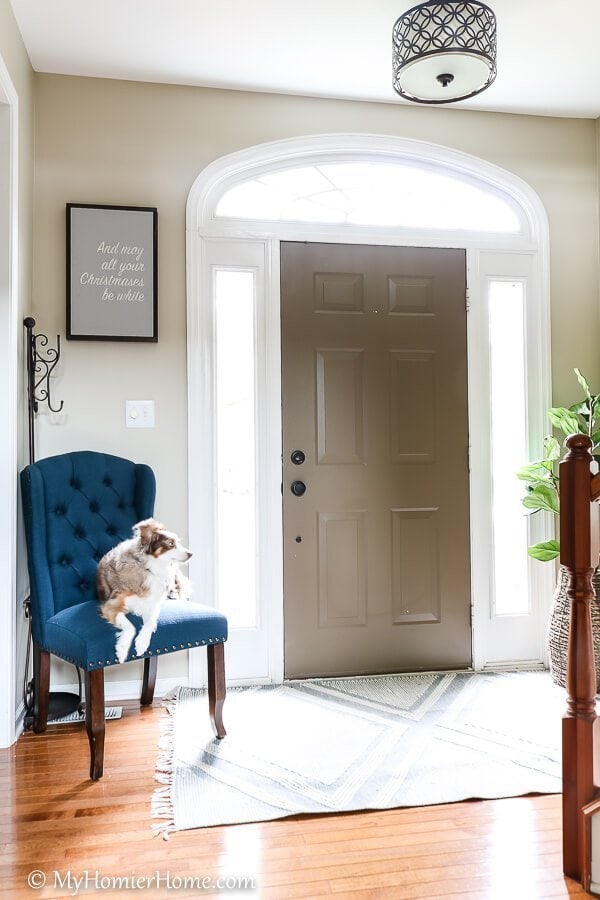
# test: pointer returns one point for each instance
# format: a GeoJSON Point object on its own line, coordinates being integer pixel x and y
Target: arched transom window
{"type": "Point", "coordinates": [370, 193]}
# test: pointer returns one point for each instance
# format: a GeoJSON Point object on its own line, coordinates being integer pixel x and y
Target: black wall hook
{"type": "Point", "coordinates": [41, 361]}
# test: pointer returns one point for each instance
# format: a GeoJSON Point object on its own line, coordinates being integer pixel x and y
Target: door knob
{"type": "Point", "coordinates": [298, 488]}
{"type": "Point", "coordinates": [298, 457]}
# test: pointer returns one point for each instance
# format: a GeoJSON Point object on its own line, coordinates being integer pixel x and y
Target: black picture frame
{"type": "Point", "coordinates": [112, 272]}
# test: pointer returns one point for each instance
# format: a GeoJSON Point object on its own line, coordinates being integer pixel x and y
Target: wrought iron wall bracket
{"type": "Point", "coordinates": [41, 362]}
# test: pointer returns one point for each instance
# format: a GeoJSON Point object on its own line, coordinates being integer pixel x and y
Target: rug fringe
{"type": "Point", "coordinates": [170, 696]}
{"type": "Point", "coordinates": [161, 804]}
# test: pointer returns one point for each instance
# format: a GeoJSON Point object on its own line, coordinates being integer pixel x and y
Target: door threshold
{"type": "Point", "coordinates": [378, 675]}
{"type": "Point", "coordinates": [525, 666]}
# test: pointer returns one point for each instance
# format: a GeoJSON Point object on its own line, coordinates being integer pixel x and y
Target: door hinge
{"type": "Point", "coordinates": [467, 300]}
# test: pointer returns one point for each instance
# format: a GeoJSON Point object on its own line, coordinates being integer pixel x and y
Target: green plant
{"type": "Point", "coordinates": [541, 477]}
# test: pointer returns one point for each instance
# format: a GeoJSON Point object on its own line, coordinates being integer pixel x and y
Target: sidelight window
{"type": "Point", "coordinates": [236, 442]}
{"type": "Point", "coordinates": [508, 387]}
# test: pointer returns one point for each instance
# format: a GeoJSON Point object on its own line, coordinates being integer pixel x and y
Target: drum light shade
{"type": "Point", "coordinates": [444, 52]}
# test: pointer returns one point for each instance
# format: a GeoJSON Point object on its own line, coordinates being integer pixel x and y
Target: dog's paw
{"type": "Point", "coordinates": [142, 642]}
{"type": "Point", "coordinates": [122, 649]}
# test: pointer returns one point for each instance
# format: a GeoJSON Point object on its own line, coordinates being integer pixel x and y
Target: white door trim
{"type": "Point", "coordinates": [203, 228]}
{"type": "Point", "coordinates": [9, 174]}
{"type": "Point", "coordinates": [490, 631]}
{"type": "Point", "coordinates": [259, 643]}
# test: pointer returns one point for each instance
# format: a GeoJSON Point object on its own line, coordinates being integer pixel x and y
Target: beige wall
{"type": "Point", "coordinates": [128, 143]}
{"type": "Point", "coordinates": [21, 74]}
{"type": "Point", "coordinates": [597, 124]}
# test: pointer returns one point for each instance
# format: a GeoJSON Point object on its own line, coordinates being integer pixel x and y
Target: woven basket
{"type": "Point", "coordinates": [558, 628]}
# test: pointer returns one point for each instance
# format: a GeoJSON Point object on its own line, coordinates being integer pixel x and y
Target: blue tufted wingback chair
{"type": "Point", "coordinates": [76, 507]}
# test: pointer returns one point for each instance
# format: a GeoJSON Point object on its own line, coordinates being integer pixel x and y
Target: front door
{"type": "Point", "coordinates": [375, 438]}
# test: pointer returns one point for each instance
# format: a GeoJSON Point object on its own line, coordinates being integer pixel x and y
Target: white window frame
{"type": "Point", "coordinates": [491, 633]}
{"type": "Point", "coordinates": [247, 647]}
{"type": "Point", "coordinates": [232, 242]}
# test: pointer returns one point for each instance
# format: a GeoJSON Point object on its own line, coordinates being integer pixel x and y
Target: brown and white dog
{"type": "Point", "coordinates": [137, 576]}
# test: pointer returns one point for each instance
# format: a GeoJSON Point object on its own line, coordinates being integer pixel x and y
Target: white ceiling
{"type": "Point", "coordinates": [548, 50]}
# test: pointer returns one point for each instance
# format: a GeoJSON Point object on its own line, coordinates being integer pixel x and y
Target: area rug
{"type": "Point", "coordinates": [333, 745]}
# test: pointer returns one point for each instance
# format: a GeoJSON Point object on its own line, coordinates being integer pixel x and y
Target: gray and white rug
{"type": "Point", "coordinates": [334, 745]}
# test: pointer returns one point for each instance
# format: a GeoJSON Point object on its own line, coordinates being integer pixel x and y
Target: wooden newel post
{"type": "Point", "coordinates": [576, 554]}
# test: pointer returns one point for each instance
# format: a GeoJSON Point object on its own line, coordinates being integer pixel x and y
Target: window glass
{"type": "Point", "coordinates": [236, 441]}
{"type": "Point", "coordinates": [378, 194]}
{"type": "Point", "coordinates": [509, 446]}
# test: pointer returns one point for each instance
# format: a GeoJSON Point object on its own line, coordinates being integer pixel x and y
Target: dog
{"type": "Point", "coordinates": [137, 576]}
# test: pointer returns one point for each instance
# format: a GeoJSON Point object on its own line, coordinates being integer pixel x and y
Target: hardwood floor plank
{"type": "Point", "coordinates": [53, 818]}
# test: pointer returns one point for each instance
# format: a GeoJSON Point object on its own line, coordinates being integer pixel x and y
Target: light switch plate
{"type": "Point", "coordinates": [139, 413]}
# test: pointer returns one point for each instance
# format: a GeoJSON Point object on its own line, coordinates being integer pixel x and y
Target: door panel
{"type": "Point", "coordinates": [412, 383]}
{"type": "Point", "coordinates": [340, 407]}
{"type": "Point", "coordinates": [376, 550]}
{"type": "Point", "coordinates": [342, 563]}
{"type": "Point", "coordinates": [415, 566]}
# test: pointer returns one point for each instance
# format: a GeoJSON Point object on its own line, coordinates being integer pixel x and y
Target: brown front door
{"type": "Point", "coordinates": [376, 548]}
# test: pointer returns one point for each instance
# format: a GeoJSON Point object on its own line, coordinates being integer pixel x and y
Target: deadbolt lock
{"type": "Point", "coordinates": [298, 488]}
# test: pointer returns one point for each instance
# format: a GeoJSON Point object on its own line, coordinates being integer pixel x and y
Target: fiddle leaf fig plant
{"type": "Point", "coordinates": [541, 477]}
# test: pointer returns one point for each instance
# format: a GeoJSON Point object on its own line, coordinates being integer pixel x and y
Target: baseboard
{"type": "Point", "coordinates": [114, 691]}
{"type": "Point", "coordinates": [127, 690]}
{"type": "Point", "coordinates": [20, 715]}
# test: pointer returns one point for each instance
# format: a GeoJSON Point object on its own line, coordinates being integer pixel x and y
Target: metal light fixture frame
{"type": "Point", "coordinates": [434, 28]}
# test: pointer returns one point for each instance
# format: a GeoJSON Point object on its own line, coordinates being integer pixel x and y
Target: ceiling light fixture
{"type": "Point", "coordinates": [443, 52]}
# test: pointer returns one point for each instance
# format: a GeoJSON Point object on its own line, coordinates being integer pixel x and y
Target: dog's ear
{"type": "Point", "coordinates": [155, 541]}
{"type": "Point", "coordinates": [145, 531]}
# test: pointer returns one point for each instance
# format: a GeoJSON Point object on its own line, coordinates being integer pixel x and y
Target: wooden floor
{"type": "Point", "coordinates": [54, 819]}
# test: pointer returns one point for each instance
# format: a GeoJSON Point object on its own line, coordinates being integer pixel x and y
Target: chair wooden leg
{"type": "Point", "coordinates": [41, 688]}
{"type": "Point", "coordinates": [149, 680]}
{"type": "Point", "coordinates": [216, 687]}
{"type": "Point", "coordinates": [94, 720]}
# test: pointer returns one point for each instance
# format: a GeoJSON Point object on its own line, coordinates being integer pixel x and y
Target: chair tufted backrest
{"type": "Point", "coordinates": [76, 507]}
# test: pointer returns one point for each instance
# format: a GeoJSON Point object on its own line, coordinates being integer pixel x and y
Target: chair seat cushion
{"type": "Point", "coordinates": [80, 635]}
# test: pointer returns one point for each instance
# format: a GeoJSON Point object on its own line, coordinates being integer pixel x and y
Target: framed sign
{"type": "Point", "coordinates": [112, 284]}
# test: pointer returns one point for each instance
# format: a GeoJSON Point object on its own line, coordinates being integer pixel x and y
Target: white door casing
{"type": "Point", "coordinates": [524, 635]}
{"type": "Point", "coordinates": [9, 118]}
{"type": "Point", "coordinates": [256, 655]}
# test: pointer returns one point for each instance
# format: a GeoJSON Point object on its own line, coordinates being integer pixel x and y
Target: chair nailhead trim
{"type": "Point", "coordinates": [115, 662]}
